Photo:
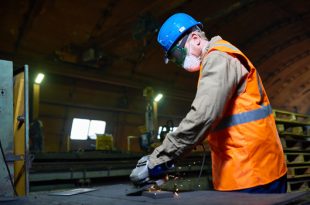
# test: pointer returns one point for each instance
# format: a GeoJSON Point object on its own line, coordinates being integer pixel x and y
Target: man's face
{"type": "Point", "coordinates": [179, 52]}
{"type": "Point", "coordinates": [193, 44]}
{"type": "Point", "coordinates": [188, 45]}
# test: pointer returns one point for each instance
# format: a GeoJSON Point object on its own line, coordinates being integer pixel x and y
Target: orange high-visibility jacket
{"type": "Point", "coordinates": [245, 146]}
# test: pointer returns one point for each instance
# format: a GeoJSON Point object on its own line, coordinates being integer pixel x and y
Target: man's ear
{"type": "Point", "coordinates": [196, 38]}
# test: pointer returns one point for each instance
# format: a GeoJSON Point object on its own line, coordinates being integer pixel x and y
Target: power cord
{"type": "Point", "coordinates": [202, 164]}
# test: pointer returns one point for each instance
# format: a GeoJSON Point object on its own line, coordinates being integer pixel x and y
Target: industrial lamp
{"type": "Point", "coordinates": [158, 97]}
{"type": "Point", "coordinates": [39, 78]}
{"type": "Point", "coordinates": [36, 95]}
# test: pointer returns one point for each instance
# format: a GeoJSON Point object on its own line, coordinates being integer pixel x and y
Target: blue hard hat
{"type": "Point", "coordinates": [173, 28]}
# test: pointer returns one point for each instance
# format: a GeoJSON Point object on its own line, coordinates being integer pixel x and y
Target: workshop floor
{"type": "Point", "coordinates": [116, 195]}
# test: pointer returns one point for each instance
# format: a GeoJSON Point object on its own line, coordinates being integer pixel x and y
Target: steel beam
{"type": "Point", "coordinates": [78, 72]}
{"type": "Point", "coordinates": [34, 8]}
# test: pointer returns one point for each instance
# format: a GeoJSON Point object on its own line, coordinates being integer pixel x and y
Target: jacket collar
{"type": "Point", "coordinates": [209, 46]}
{"type": "Point", "coordinates": [211, 43]}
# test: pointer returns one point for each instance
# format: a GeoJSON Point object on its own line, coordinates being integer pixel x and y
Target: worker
{"type": "Point", "coordinates": [230, 109]}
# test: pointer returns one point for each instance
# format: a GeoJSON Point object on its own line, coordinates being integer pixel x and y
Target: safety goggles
{"type": "Point", "coordinates": [178, 53]}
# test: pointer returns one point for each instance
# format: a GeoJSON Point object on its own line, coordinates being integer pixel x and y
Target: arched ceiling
{"type": "Point", "coordinates": [115, 41]}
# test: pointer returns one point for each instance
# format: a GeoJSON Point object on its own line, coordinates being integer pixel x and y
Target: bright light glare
{"type": "Point", "coordinates": [39, 78]}
{"type": "Point", "coordinates": [84, 128]}
{"type": "Point", "coordinates": [160, 129]}
{"type": "Point", "coordinates": [79, 129]}
{"type": "Point", "coordinates": [158, 97]}
{"type": "Point", "coordinates": [96, 127]}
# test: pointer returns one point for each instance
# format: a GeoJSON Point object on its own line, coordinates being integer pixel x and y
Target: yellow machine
{"type": "Point", "coordinates": [104, 142]}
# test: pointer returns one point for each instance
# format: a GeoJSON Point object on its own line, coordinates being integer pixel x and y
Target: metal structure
{"type": "Point", "coordinates": [13, 131]}
{"type": "Point", "coordinates": [6, 128]}
{"type": "Point", "coordinates": [21, 131]}
{"type": "Point", "coordinates": [148, 138]}
{"type": "Point", "coordinates": [72, 167]}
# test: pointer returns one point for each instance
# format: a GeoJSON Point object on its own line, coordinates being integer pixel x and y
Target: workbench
{"type": "Point", "coordinates": [116, 195]}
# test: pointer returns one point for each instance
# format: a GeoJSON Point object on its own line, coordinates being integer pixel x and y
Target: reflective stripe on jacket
{"type": "Point", "coordinates": [246, 149]}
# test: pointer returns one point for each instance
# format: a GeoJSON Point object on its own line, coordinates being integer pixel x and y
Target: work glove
{"type": "Point", "coordinates": [141, 174]}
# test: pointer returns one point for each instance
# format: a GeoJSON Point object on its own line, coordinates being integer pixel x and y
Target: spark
{"type": "Point", "coordinates": [176, 195]}
{"type": "Point", "coordinates": [154, 189]}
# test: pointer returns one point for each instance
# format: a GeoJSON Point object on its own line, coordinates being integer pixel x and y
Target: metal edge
{"type": "Point", "coordinates": [26, 115]}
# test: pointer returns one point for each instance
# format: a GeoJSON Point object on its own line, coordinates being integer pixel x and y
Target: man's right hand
{"type": "Point", "coordinates": [141, 174]}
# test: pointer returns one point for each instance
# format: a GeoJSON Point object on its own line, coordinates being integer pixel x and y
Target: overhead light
{"type": "Point", "coordinates": [39, 78]}
{"type": "Point", "coordinates": [158, 97]}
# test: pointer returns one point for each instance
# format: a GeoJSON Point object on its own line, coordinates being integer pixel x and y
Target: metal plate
{"type": "Point", "coordinates": [73, 192]}
{"type": "Point", "coordinates": [158, 194]}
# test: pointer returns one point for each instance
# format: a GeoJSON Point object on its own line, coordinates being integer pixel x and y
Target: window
{"type": "Point", "coordinates": [79, 129]}
{"type": "Point", "coordinates": [164, 129]}
{"type": "Point", "coordinates": [96, 127]}
{"type": "Point", "coordinates": [84, 128]}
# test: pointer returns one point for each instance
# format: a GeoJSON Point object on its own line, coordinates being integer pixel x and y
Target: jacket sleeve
{"type": "Point", "coordinates": [221, 75]}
